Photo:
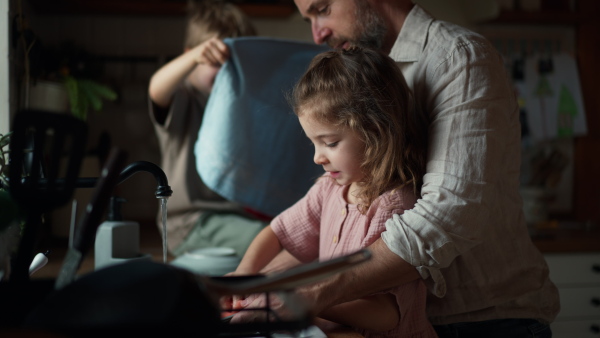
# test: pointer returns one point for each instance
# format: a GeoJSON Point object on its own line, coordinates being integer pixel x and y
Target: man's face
{"type": "Point", "coordinates": [343, 23]}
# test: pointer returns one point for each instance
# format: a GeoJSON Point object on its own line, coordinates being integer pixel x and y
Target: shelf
{"type": "Point", "coordinates": [567, 240]}
{"type": "Point", "coordinates": [537, 18]}
{"type": "Point", "coordinates": [266, 9]}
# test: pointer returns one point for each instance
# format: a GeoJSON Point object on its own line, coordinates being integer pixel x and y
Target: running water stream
{"type": "Point", "coordinates": [163, 212]}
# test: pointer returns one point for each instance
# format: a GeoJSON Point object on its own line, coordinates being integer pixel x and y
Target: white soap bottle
{"type": "Point", "coordinates": [117, 241]}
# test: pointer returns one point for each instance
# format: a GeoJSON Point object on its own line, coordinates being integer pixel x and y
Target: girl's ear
{"type": "Point", "coordinates": [186, 49]}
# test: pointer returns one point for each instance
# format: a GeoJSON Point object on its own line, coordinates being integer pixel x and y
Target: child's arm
{"type": "Point", "coordinates": [378, 313]}
{"type": "Point", "coordinates": [261, 251]}
{"type": "Point", "coordinates": [166, 80]}
{"type": "Point", "coordinates": [283, 261]}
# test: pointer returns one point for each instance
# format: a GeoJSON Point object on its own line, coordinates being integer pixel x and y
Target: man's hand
{"type": "Point", "coordinates": [383, 271]}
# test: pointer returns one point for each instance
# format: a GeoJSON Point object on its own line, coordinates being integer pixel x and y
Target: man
{"type": "Point", "coordinates": [466, 237]}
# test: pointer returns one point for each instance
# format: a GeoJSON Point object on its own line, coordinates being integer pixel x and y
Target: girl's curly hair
{"type": "Point", "coordinates": [364, 90]}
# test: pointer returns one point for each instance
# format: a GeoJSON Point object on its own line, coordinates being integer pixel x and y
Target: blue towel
{"type": "Point", "coordinates": [251, 148]}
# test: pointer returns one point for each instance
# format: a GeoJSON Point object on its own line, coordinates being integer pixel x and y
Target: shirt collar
{"type": "Point", "coordinates": [411, 41]}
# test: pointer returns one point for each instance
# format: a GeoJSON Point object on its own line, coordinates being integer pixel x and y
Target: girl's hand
{"type": "Point", "coordinates": [229, 302]}
{"type": "Point", "coordinates": [282, 306]}
{"type": "Point", "coordinates": [233, 302]}
{"type": "Point", "coordinates": [213, 52]}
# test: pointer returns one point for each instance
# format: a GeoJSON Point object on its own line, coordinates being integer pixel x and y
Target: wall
{"type": "Point", "coordinates": [587, 161]}
{"type": "Point", "coordinates": [138, 45]}
{"type": "Point", "coordinates": [4, 69]}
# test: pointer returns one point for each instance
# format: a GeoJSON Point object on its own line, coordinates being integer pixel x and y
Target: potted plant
{"type": "Point", "coordinates": [65, 78]}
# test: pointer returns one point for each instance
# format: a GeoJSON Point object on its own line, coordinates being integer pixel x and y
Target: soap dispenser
{"type": "Point", "coordinates": [117, 241]}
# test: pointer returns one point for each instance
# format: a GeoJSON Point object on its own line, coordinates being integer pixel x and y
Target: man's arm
{"type": "Point", "coordinates": [378, 313]}
{"type": "Point", "coordinates": [384, 270]}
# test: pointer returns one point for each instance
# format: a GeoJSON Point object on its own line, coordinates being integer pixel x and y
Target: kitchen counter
{"type": "Point", "coordinates": [150, 243]}
{"type": "Point", "coordinates": [563, 239]}
{"type": "Point", "coordinates": [558, 240]}
{"type": "Point", "coordinates": [566, 240]}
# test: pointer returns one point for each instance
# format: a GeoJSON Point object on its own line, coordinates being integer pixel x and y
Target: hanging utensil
{"type": "Point", "coordinates": [86, 230]}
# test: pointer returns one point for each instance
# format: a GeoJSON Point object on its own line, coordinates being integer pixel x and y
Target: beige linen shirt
{"type": "Point", "coordinates": [467, 236]}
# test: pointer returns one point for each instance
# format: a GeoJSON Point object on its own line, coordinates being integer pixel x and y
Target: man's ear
{"type": "Point", "coordinates": [186, 49]}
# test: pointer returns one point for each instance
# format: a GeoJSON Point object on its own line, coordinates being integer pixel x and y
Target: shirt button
{"type": "Point", "coordinates": [343, 212]}
{"type": "Point", "coordinates": [335, 239]}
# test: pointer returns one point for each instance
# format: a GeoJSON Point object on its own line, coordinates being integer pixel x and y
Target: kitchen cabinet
{"type": "Point", "coordinates": [253, 8]}
{"type": "Point", "coordinates": [577, 276]}
{"type": "Point", "coordinates": [584, 20]}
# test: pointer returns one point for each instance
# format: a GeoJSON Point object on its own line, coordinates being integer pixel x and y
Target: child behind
{"type": "Point", "coordinates": [197, 216]}
{"type": "Point", "coordinates": [355, 107]}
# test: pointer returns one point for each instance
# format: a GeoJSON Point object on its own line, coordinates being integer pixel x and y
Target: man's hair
{"type": "Point", "coordinates": [206, 18]}
{"type": "Point", "coordinates": [364, 90]}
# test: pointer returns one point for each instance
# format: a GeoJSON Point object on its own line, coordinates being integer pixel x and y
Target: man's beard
{"type": "Point", "coordinates": [371, 27]}
{"type": "Point", "coordinates": [370, 30]}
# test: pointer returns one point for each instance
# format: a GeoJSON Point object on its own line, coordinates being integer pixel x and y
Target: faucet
{"type": "Point", "coordinates": [163, 190]}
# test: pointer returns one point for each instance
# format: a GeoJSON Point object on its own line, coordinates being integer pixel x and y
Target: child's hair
{"type": "Point", "coordinates": [206, 18]}
{"type": "Point", "coordinates": [364, 90]}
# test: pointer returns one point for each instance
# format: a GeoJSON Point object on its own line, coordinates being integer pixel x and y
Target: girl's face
{"type": "Point", "coordinates": [338, 150]}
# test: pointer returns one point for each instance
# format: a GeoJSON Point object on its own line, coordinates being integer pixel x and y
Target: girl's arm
{"type": "Point", "coordinates": [378, 313]}
{"type": "Point", "coordinates": [261, 251]}
{"type": "Point", "coordinates": [283, 261]}
{"type": "Point", "coordinates": [167, 79]}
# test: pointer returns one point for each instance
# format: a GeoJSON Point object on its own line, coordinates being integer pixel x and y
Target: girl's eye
{"type": "Point", "coordinates": [331, 145]}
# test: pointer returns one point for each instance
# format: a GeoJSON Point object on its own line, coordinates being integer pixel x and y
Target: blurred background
{"type": "Point", "coordinates": [119, 44]}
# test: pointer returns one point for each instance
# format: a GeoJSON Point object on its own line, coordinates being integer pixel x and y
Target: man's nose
{"type": "Point", "coordinates": [319, 32]}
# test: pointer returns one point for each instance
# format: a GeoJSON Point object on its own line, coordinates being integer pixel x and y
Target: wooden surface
{"type": "Point", "coordinates": [587, 149]}
{"type": "Point", "coordinates": [150, 243]}
{"type": "Point", "coordinates": [264, 9]}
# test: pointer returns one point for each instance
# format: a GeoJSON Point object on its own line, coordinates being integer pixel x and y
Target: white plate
{"type": "Point", "coordinates": [215, 261]}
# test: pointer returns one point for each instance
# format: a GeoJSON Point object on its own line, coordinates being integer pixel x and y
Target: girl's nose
{"type": "Point", "coordinates": [319, 32]}
{"type": "Point", "coordinates": [319, 158]}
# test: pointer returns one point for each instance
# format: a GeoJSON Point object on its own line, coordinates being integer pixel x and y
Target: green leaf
{"type": "Point", "coordinates": [83, 104]}
{"type": "Point", "coordinates": [73, 93]}
{"type": "Point", "coordinates": [90, 96]}
{"type": "Point", "coordinates": [85, 93]}
{"type": "Point", "coordinates": [101, 90]}
{"type": "Point", "coordinates": [4, 140]}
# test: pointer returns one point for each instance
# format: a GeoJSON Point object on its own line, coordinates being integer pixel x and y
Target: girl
{"type": "Point", "coordinates": [355, 107]}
